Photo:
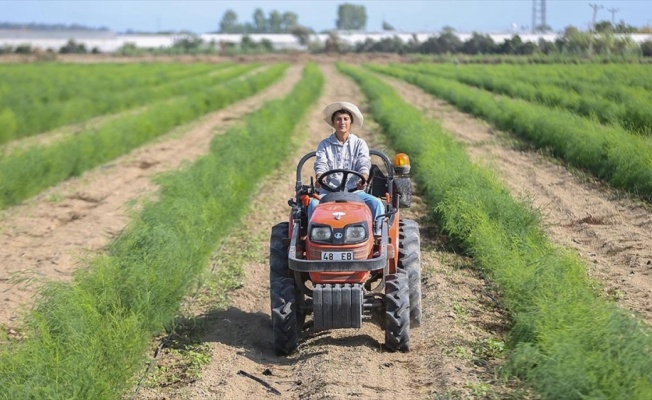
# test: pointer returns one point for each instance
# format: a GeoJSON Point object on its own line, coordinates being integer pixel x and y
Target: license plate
{"type": "Point", "coordinates": [337, 256]}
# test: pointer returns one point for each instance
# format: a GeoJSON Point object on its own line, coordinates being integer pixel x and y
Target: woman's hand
{"type": "Point", "coordinates": [362, 183]}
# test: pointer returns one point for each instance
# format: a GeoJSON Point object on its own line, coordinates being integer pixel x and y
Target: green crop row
{"type": "Point", "coordinates": [533, 59]}
{"type": "Point", "coordinates": [87, 338]}
{"type": "Point", "coordinates": [609, 152]}
{"type": "Point", "coordinates": [602, 77]}
{"type": "Point", "coordinates": [26, 172]}
{"type": "Point", "coordinates": [57, 82]}
{"type": "Point", "coordinates": [612, 103]}
{"type": "Point", "coordinates": [26, 117]}
{"type": "Point", "coordinates": [566, 341]}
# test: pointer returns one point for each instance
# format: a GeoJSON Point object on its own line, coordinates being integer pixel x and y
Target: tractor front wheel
{"type": "Point", "coordinates": [284, 315]}
{"type": "Point", "coordinates": [397, 312]}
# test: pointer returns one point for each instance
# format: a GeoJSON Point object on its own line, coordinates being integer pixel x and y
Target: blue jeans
{"type": "Point", "coordinates": [375, 205]}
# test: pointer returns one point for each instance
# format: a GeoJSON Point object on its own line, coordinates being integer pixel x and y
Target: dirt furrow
{"type": "Point", "coordinates": [611, 233]}
{"type": "Point", "coordinates": [344, 364]}
{"type": "Point", "coordinates": [48, 237]}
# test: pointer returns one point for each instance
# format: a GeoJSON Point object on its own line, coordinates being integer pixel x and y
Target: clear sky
{"type": "Point", "coordinates": [203, 16]}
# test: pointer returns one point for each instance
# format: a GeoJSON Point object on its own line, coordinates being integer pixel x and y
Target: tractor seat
{"type": "Point", "coordinates": [341, 197]}
{"type": "Point", "coordinates": [377, 185]}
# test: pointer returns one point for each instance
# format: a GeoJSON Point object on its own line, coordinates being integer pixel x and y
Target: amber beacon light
{"type": "Point", "coordinates": [402, 164]}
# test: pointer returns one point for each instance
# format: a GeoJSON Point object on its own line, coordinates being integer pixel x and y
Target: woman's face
{"type": "Point", "coordinates": [342, 123]}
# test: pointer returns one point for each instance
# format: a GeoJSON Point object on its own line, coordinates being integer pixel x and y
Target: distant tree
{"type": "Point", "coordinates": [260, 22]}
{"type": "Point", "coordinates": [516, 45]}
{"type": "Point", "coordinates": [479, 44]}
{"type": "Point", "coordinates": [247, 43]}
{"type": "Point", "coordinates": [603, 26]}
{"type": "Point", "coordinates": [413, 44]}
{"type": "Point", "coordinates": [387, 45]}
{"type": "Point", "coordinates": [351, 17]}
{"type": "Point", "coordinates": [624, 45]}
{"type": "Point", "coordinates": [573, 41]}
{"type": "Point", "coordinates": [302, 34]}
{"type": "Point", "coordinates": [23, 49]}
{"type": "Point", "coordinates": [448, 41]}
{"type": "Point", "coordinates": [335, 44]}
{"type": "Point", "coordinates": [387, 26]}
{"type": "Point", "coordinates": [528, 48]}
{"type": "Point", "coordinates": [275, 22]}
{"type": "Point", "coordinates": [511, 45]}
{"type": "Point", "coordinates": [646, 48]}
{"type": "Point", "coordinates": [622, 27]}
{"type": "Point", "coordinates": [72, 47]}
{"type": "Point", "coordinates": [248, 27]}
{"type": "Point", "coordinates": [430, 46]}
{"type": "Point", "coordinates": [366, 46]}
{"type": "Point", "coordinates": [546, 47]}
{"type": "Point", "coordinates": [188, 43]}
{"type": "Point", "coordinates": [129, 49]}
{"type": "Point", "coordinates": [229, 23]}
{"type": "Point", "coordinates": [289, 20]}
{"type": "Point", "coordinates": [267, 45]}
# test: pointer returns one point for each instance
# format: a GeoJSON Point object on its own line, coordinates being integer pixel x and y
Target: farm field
{"type": "Point", "coordinates": [465, 326]}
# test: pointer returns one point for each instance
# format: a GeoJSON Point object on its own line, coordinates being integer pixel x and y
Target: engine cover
{"type": "Point", "coordinates": [337, 306]}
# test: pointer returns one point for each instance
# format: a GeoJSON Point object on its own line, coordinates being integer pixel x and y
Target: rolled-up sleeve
{"type": "Point", "coordinates": [321, 159]}
{"type": "Point", "coordinates": [363, 160]}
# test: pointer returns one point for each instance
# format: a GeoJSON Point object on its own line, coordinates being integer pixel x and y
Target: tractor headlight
{"type": "Point", "coordinates": [355, 234]}
{"type": "Point", "coordinates": [320, 234]}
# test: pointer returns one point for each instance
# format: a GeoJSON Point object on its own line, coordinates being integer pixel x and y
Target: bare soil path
{"type": "Point", "coordinates": [48, 236]}
{"type": "Point", "coordinates": [611, 233]}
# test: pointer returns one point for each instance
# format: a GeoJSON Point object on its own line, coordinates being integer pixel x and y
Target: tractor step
{"type": "Point", "coordinates": [337, 306]}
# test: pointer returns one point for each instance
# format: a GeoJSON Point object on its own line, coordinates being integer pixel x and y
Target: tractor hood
{"type": "Point", "coordinates": [338, 215]}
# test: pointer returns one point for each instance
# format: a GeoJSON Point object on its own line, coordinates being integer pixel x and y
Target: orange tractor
{"type": "Point", "coordinates": [333, 266]}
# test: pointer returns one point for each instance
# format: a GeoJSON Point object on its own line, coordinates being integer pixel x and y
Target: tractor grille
{"type": "Point", "coordinates": [337, 306]}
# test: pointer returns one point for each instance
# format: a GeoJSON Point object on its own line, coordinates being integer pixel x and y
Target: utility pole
{"type": "Point", "coordinates": [538, 16]}
{"type": "Point", "coordinates": [613, 12]}
{"type": "Point", "coordinates": [595, 8]}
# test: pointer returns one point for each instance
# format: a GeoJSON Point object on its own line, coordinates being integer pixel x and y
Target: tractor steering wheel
{"type": "Point", "coordinates": [345, 177]}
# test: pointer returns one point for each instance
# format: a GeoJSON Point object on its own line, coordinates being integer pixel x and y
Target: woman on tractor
{"type": "Point", "coordinates": [345, 150]}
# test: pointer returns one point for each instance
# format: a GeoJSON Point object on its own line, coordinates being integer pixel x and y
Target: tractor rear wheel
{"type": "Point", "coordinates": [409, 260]}
{"type": "Point", "coordinates": [397, 312]}
{"type": "Point", "coordinates": [284, 316]}
{"type": "Point", "coordinates": [278, 252]}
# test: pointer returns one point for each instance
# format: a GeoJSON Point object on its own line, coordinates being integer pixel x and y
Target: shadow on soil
{"type": "Point", "coordinates": [252, 334]}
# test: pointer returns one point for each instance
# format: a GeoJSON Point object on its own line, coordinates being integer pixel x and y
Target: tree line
{"type": "Point", "coordinates": [572, 43]}
{"type": "Point", "coordinates": [349, 17]}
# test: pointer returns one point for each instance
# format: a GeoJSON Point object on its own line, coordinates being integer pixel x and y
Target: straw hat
{"type": "Point", "coordinates": [330, 109]}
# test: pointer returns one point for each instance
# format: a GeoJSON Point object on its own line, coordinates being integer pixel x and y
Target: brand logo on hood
{"type": "Point", "coordinates": [338, 215]}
